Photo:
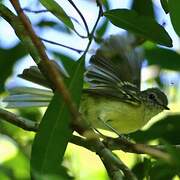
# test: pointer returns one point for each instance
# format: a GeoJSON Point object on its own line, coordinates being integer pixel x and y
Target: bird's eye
{"type": "Point", "coordinates": [151, 96]}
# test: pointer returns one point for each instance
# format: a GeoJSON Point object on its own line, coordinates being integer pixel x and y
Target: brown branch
{"type": "Point", "coordinates": [115, 167]}
{"type": "Point", "coordinates": [21, 122]}
{"type": "Point", "coordinates": [127, 146]}
{"type": "Point", "coordinates": [100, 147]}
{"type": "Point", "coordinates": [45, 65]}
{"type": "Point", "coordinates": [111, 143]}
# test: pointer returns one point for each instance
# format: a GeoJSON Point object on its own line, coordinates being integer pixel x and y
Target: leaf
{"type": "Point", "coordinates": [22, 172]}
{"type": "Point", "coordinates": [141, 25]}
{"type": "Point", "coordinates": [174, 8]}
{"type": "Point", "coordinates": [165, 6]}
{"type": "Point", "coordinates": [161, 170]}
{"type": "Point", "coordinates": [165, 58]}
{"type": "Point", "coordinates": [8, 57]}
{"type": "Point", "coordinates": [52, 24]}
{"type": "Point", "coordinates": [167, 129]}
{"type": "Point", "coordinates": [141, 168]}
{"type": "Point", "coordinates": [143, 7]}
{"type": "Point", "coordinates": [51, 140]}
{"type": "Point", "coordinates": [67, 61]}
{"type": "Point", "coordinates": [58, 11]}
{"type": "Point", "coordinates": [102, 28]}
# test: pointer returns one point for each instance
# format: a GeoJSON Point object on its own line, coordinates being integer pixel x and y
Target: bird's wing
{"type": "Point", "coordinates": [125, 57]}
{"type": "Point", "coordinates": [105, 80]}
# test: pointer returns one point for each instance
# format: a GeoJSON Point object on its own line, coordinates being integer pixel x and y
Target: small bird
{"type": "Point", "coordinates": [113, 98]}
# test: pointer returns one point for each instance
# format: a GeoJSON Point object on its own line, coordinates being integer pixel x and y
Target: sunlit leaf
{"type": "Point", "coordinates": [22, 172]}
{"type": "Point", "coordinates": [141, 25]}
{"type": "Point", "coordinates": [51, 140]}
{"type": "Point", "coordinates": [58, 11]}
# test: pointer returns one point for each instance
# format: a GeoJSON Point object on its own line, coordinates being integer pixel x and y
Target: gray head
{"type": "Point", "coordinates": [155, 97]}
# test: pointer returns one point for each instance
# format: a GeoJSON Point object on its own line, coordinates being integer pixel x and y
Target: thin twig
{"type": "Point", "coordinates": [45, 11]}
{"type": "Point", "coordinates": [62, 45]}
{"type": "Point", "coordinates": [80, 14]}
{"type": "Point", "coordinates": [35, 11]}
{"type": "Point", "coordinates": [92, 32]}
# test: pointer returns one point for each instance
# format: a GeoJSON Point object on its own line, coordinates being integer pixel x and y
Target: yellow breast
{"type": "Point", "coordinates": [123, 117]}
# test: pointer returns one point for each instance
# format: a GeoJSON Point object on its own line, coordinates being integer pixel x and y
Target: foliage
{"type": "Point", "coordinates": [48, 159]}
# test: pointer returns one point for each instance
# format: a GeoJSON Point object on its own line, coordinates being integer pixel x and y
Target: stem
{"type": "Point", "coordinates": [36, 12]}
{"type": "Point", "coordinates": [80, 14]}
{"type": "Point", "coordinates": [18, 121]}
{"type": "Point", "coordinates": [58, 44]}
{"type": "Point", "coordinates": [92, 32]}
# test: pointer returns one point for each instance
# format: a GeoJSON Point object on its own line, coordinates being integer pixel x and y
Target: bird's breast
{"type": "Point", "coordinates": [124, 117]}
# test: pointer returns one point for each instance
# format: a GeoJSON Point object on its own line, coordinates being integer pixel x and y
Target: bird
{"type": "Point", "coordinates": [113, 99]}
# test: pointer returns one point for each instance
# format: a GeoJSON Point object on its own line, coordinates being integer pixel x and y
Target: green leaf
{"type": "Point", "coordinates": [141, 168]}
{"type": "Point", "coordinates": [102, 28]}
{"type": "Point", "coordinates": [165, 58]}
{"type": "Point", "coordinates": [141, 25]}
{"type": "Point", "coordinates": [174, 8]}
{"type": "Point", "coordinates": [165, 6]}
{"type": "Point", "coordinates": [143, 7]}
{"type": "Point", "coordinates": [8, 57]}
{"type": "Point", "coordinates": [51, 140]}
{"type": "Point", "coordinates": [161, 170]}
{"type": "Point", "coordinates": [58, 11]}
{"type": "Point", "coordinates": [22, 172]}
{"type": "Point", "coordinates": [52, 24]}
{"type": "Point", "coordinates": [67, 61]}
{"type": "Point", "coordinates": [167, 129]}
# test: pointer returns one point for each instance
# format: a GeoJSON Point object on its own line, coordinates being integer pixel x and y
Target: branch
{"type": "Point", "coordinates": [58, 44]}
{"type": "Point", "coordinates": [45, 65]}
{"type": "Point", "coordinates": [35, 11]}
{"type": "Point", "coordinates": [111, 143]}
{"type": "Point", "coordinates": [93, 144]}
{"type": "Point", "coordinates": [21, 122]}
{"type": "Point", "coordinates": [93, 30]}
{"type": "Point", "coordinates": [113, 165]}
{"type": "Point", "coordinates": [127, 146]}
{"type": "Point", "coordinates": [113, 172]}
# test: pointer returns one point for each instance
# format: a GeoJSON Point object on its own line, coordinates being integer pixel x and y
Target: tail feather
{"type": "Point", "coordinates": [27, 97]}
